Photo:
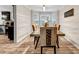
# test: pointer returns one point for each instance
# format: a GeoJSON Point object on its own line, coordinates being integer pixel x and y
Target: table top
{"type": "Point", "coordinates": [59, 33]}
{"type": "Point", "coordinates": [37, 33]}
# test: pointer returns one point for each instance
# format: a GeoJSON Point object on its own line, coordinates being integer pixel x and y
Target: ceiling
{"type": "Point", "coordinates": [48, 8]}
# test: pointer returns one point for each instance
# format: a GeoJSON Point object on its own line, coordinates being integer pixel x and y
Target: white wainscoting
{"type": "Point", "coordinates": [70, 25]}
{"type": "Point", "coordinates": [23, 22]}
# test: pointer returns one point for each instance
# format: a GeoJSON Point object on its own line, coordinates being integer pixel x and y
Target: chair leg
{"type": "Point", "coordinates": [54, 49]}
{"type": "Point", "coordinates": [37, 42]}
{"type": "Point", "coordinates": [41, 49]}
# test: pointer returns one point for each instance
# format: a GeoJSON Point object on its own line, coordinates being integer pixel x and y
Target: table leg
{"type": "Point", "coordinates": [34, 39]}
{"type": "Point", "coordinates": [57, 42]}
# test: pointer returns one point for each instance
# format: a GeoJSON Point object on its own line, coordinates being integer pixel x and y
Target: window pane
{"type": "Point", "coordinates": [35, 18]}
{"type": "Point", "coordinates": [40, 18]}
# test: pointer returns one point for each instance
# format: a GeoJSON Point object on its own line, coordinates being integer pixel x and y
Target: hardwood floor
{"type": "Point", "coordinates": [27, 47]}
{"type": "Point", "coordinates": [4, 39]}
{"type": "Point", "coordinates": [65, 48]}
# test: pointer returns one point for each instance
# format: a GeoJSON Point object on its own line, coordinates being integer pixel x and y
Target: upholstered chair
{"type": "Point", "coordinates": [48, 37]}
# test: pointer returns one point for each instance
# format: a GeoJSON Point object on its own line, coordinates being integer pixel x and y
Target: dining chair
{"type": "Point", "coordinates": [33, 27]}
{"type": "Point", "coordinates": [58, 26]}
{"type": "Point", "coordinates": [48, 38]}
{"type": "Point", "coordinates": [58, 30]}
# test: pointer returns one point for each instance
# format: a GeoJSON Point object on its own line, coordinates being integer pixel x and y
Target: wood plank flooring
{"type": "Point", "coordinates": [27, 47]}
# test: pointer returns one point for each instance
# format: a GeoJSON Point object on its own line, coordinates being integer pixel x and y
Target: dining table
{"type": "Point", "coordinates": [36, 35]}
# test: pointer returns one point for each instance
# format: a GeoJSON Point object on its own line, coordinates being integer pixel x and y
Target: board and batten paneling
{"type": "Point", "coordinates": [23, 22]}
{"type": "Point", "coordinates": [70, 25]}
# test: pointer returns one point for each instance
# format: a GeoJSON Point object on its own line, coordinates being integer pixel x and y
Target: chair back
{"type": "Point", "coordinates": [48, 36]}
{"type": "Point", "coordinates": [58, 26]}
{"type": "Point", "coordinates": [33, 27]}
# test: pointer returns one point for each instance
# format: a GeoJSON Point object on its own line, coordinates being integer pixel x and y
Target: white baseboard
{"type": "Point", "coordinates": [72, 42]}
{"type": "Point", "coordinates": [21, 40]}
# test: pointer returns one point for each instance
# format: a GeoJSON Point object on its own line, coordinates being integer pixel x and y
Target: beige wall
{"type": "Point", "coordinates": [23, 22]}
{"type": "Point", "coordinates": [70, 25]}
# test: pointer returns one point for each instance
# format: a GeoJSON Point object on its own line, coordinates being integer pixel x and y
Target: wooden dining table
{"type": "Point", "coordinates": [36, 35]}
